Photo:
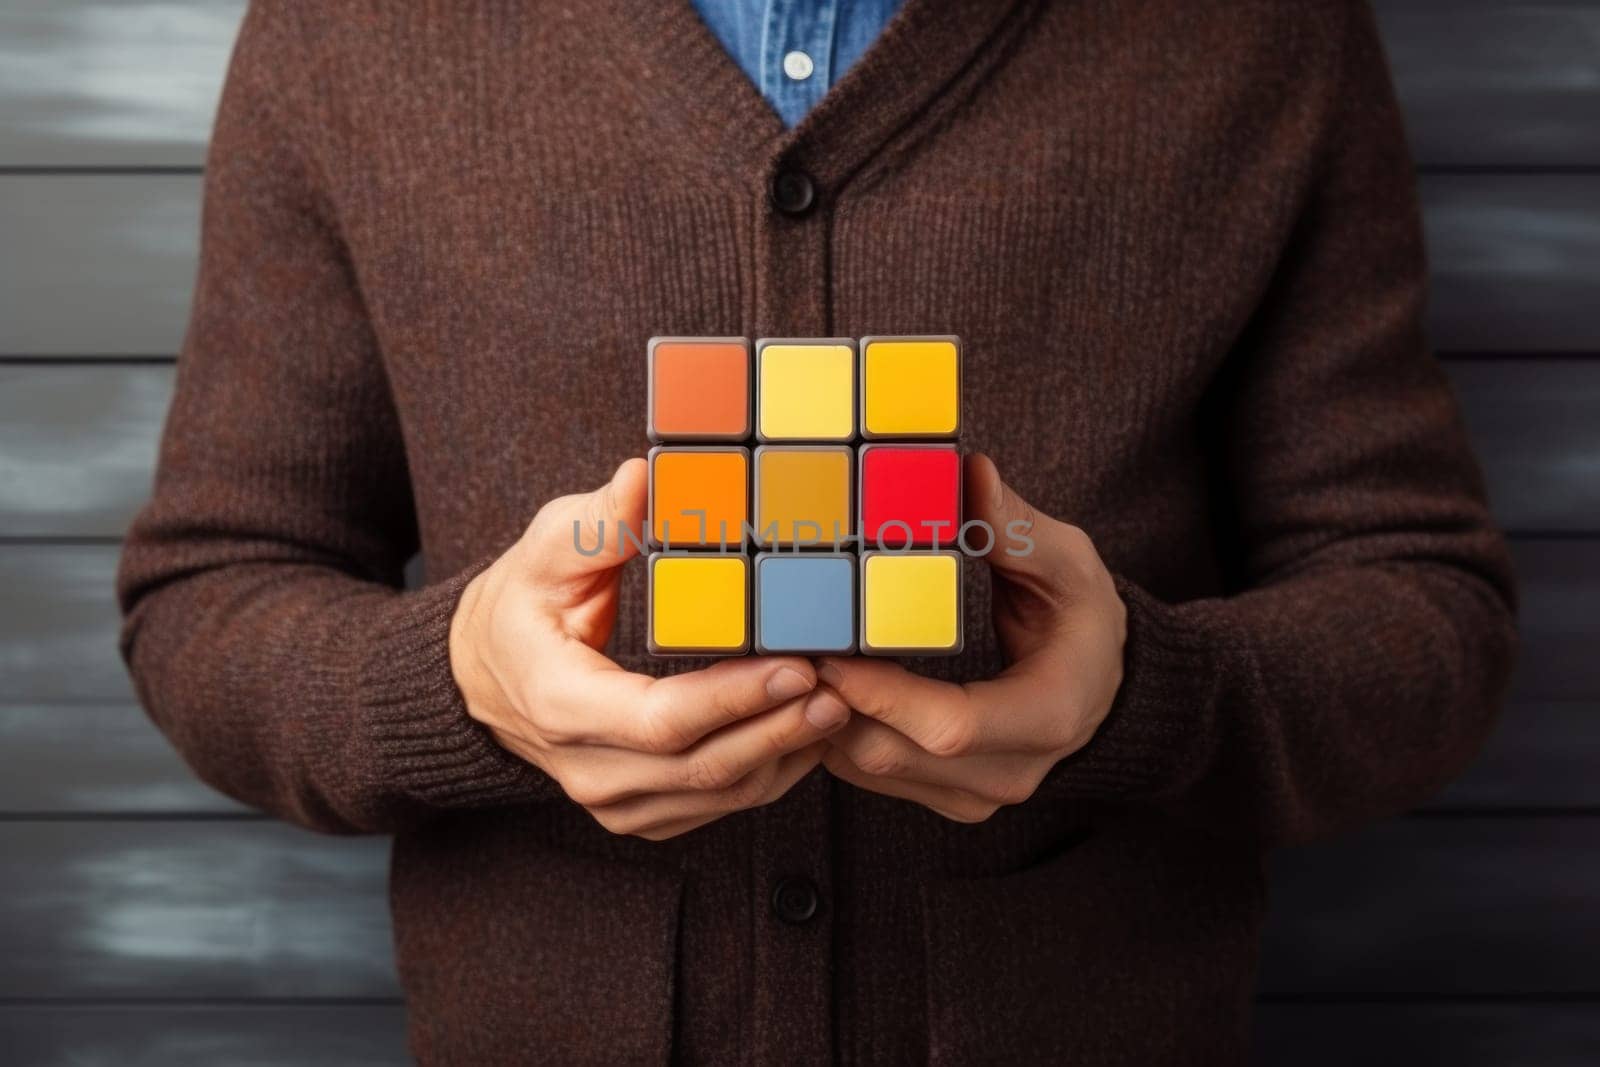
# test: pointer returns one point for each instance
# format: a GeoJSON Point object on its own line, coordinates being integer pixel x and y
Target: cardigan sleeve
{"type": "Point", "coordinates": [265, 625]}
{"type": "Point", "coordinates": [1360, 661]}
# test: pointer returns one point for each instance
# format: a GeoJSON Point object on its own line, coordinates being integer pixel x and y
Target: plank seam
{"type": "Point", "coordinates": [85, 360]}
{"type": "Point", "coordinates": [111, 170]}
{"type": "Point", "coordinates": [1488, 999]}
{"type": "Point", "coordinates": [13, 817]}
{"type": "Point", "coordinates": [1507, 170]}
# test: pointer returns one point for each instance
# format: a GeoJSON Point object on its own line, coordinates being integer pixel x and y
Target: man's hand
{"type": "Point", "coordinates": [654, 757]}
{"type": "Point", "coordinates": [966, 750]}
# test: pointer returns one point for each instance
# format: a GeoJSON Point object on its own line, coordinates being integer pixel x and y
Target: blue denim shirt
{"type": "Point", "coordinates": [793, 50]}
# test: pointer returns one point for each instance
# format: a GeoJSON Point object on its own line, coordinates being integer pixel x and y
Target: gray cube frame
{"type": "Point", "coordinates": [865, 648]}
{"type": "Point", "coordinates": [650, 606]}
{"type": "Point", "coordinates": [855, 392]}
{"type": "Point", "coordinates": [861, 388]}
{"type": "Point", "coordinates": [855, 603]}
{"type": "Point", "coordinates": [655, 435]}
{"type": "Point", "coordinates": [650, 506]}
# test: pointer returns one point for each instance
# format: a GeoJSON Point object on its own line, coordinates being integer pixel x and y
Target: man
{"type": "Point", "coordinates": [1180, 242]}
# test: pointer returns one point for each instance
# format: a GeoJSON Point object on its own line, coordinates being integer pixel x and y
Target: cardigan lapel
{"type": "Point", "coordinates": [926, 60]}
{"type": "Point", "coordinates": [931, 53]}
{"type": "Point", "coordinates": [700, 95]}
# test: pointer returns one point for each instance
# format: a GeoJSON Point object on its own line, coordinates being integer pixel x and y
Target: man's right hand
{"type": "Point", "coordinates": [654, 757]}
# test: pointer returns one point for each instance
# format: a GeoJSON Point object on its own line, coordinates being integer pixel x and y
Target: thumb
{"type": "Point", "coordinates": [1027, 545]}
{"type": "Point", "coordinates": [585, 533]}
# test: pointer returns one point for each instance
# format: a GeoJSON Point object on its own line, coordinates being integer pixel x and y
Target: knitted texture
{"type": "Point", "coordinates": [1181, 244]}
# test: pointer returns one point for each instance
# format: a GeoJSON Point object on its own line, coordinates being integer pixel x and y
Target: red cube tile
{"type": "Point", "coordinates": [909, 494]}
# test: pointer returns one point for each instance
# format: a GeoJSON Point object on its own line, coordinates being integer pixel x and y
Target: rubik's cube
{"type": "Point", "coordinates": [805, 498]}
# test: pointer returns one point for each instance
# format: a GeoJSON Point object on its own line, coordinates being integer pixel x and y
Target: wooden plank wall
{"type": "Point", "coordinates": [145, 919]}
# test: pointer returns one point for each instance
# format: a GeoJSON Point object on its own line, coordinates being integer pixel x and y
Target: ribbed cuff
{"type": "Point", "coordinates": [427, 745]}
{"type": "Point", "coordinates": [1160, 734]}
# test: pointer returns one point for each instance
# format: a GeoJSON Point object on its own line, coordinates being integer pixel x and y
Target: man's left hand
{"type": "Point", "coordinates": [964, 751]}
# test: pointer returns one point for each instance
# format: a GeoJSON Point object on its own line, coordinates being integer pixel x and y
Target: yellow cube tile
{"type": "Point", "coordinates": [911, 603]}
{"type": "Point", "coordinates": [805, 390]}
{"type": "Point", "coordinates": [910, 387]}
{"type": "Point", "coordinates": [699, 603]}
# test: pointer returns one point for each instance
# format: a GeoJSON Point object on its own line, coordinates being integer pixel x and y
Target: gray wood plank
{"type": "Point", "coordinates": [1515, 260]}
{"type": "Point", "coordinates": [1560, 629]}
{"type": "Point", "coordinates": [1543, 754]}
{"type": "Point", "coordinates": [111, 82]}
{"type": "Point", "coordinates": [94, 758]}
{"type": "Point", "coordinates": [135, 82]}
{"type": "Point", "coordinates": [58, 626]}
{"type": "Point", "coordinates": [108, 263]}
{"type": "Point", "coordinates": [241, 1035]}
{"type": "Point", "coordinates": [78, 442]}
{"type": "Point", "coordinates": [1533, 424]}
{"type": "Point", "coordinates": [1496, 82]}
{"type": "Point", "coordinates": [1461, 1035]}
{"type": "Point", "coordinates": [1453, 907]}
{"type": "Point", "coordinates": [191, 910]}
{"type": "Point", "coordinates": [77, 446]}
{"type": "Point", "coordinates": [96, 264]}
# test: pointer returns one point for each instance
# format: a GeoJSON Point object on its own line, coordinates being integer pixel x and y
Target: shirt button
{"type": "Point", "coordinates": [794, 900]}
{"type": "Point", "coordinates": [793, 192]}
{"type": "Point", "coordinates": [798, 66]}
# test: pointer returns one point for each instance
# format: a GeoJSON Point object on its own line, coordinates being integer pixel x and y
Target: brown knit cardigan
{"type": "Point", "coordinates": [1181, 243]}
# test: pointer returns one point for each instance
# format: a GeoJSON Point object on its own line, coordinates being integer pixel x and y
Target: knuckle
{"type": "Point", "coordinates": [956, 735]}
{"type": "Point", "coordinates": [580, 790]}
{"type": "Point", "coordinates": [984, 812]}
{"type": "Point", "coordinates": [785, 736]}
{"type": "Point", "coordinates": [728, 705]}
{"type": "Point", "coordinates": [557, 736]}
{"type": "Point", "coordinates": [749, 790]}
{"type": "Point", "coordinates": [654, 833]}
{"type": "Point", "coordinates": [1012, 790]}
{"type": "Point", "coordinates": [873, 702]}
{"type": "Point", "coordinates": [1067, 734]}
{"type": "Point", "coordinates": [1077, 539]}
{"type": "Point", "coordinates": [541, 528]}
{"type": "Point", "coordinates": [533, 532]}
{"type": "Point", "coordinates": [612, 822]}
{"type": "Point", "coordinates": [883, 759]}
{"type": "Point", "coordinates": [532, 697]}
{"type": "Point", "coordinates": [658, 729]}
{"type": "Point", "coordinates": [974, 812]}
{"type": "Point", "coordinates": [553, 735]}
{"type": "Point", "coordinates": [1025, 513]}
{"type": "Point", "coordinates": [589, 790]}
{"type": "Point", "coordinates": [708, 774]}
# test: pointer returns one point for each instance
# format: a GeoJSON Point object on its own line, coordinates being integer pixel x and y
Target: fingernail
{"type": "Point", "coordinates": [787, 683]}
{"type": "Point", "coordinates": [826, 712]}
{"type": "Point", "coordinates": [827, 672]}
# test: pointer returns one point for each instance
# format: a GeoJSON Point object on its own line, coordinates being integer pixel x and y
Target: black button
{"type": "Point", "coordinates": [793, 192]}
{"type": "Point", "coordinates": [794, 900]}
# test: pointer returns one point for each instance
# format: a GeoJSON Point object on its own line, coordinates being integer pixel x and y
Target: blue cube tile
{"type": "Point", "coordinates": [805, 603]}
